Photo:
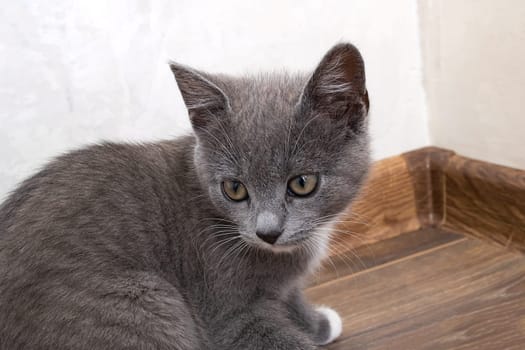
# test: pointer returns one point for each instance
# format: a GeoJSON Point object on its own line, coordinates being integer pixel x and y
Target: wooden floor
{"type": "Point", "coordinates": [426, 290]}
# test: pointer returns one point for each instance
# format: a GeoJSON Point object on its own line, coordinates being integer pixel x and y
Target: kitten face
{"type": "Point", "coordinates": [281, 156]}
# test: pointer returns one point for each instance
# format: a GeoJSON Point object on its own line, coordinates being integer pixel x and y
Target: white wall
{"type": "Point", "coordinates": [74, 72]}
{"type": "Point", "coordinates": [474, 57]}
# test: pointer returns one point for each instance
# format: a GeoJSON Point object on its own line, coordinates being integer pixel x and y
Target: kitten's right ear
{"type": "Point", "coordinates": [204, 100]}
{"type": "Point", "coordinates": [337, 87]}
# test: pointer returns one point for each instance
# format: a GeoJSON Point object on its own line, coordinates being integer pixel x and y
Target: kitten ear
{"type": "Point", "coordinates": [337, 87]}
{"type": "Point", "coordinates": [204, 100]}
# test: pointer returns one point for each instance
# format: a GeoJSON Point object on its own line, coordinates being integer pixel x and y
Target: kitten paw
{"type": "Point", "coordinates": [336, 324]}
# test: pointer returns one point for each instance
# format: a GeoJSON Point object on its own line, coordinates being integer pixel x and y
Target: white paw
{"type": "Point", "coordinates": [336, 324]}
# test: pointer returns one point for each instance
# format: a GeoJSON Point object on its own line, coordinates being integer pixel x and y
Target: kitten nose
{"type": "Point", "coordinates": [268, 227]}
{"type": "Point", "coordinates": [269, 237]}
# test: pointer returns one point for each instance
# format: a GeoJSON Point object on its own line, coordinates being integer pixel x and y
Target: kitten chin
{"type": "Point", "coordinates": [279, 249]}
{"type": "Point", "coordinates": [315, 244]}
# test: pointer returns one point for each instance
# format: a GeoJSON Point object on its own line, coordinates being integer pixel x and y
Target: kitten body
{"type": "Point", "coordinates": [121, 246]}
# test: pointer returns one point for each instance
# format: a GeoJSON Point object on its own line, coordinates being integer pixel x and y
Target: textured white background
{"type": "Point", "coordinates": [76, 72]}
{"type": "Point", "coordinates": [474, 56]}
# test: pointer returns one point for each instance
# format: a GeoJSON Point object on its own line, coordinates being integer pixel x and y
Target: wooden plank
{"type": "Point", "coordinates": [426, 168]}
{"type": "Point", "coordinates": [485, 200]}
{"type": "Point", "coordinates": [473, 197]}
{"type": "Point", "coordinates": [433, 187]}
{"type": "Point", "coordinates": [385, 208]}
{"type": "Point", "coordinates": [464, 294]}
{"type": "Point", "coordinates": [345, 260]}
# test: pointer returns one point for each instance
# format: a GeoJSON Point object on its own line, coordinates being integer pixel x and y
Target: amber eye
{"type": "Point", "coordinates": [302, 185]}
{"type": "Point", "coordinates": [235, 190]}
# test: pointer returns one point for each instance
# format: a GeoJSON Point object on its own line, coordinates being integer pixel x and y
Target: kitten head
{"type": "Point", "coordinates": [281, 155]}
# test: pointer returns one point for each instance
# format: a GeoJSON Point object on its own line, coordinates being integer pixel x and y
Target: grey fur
{"type": "Point", "coordinates": [122, 246]}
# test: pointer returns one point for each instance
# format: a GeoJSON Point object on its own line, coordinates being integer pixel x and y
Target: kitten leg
{"type": "Point", "coordinates": [323, 324]}
{"type": "Point", "coordinates": [335, 325]}
{"type": "Point", "coordinates": [264, 326]}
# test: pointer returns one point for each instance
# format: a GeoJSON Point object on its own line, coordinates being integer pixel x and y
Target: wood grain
{"type": "Point", "coordinates": [347, 260]}
{"type": "Point", "coordinates": [386, 207]}
{"type": "Point", "coordinates": [485, 200]}
{"type": "Point", "coordinates": [426, 168]}
{"type": "Point", "coordinates": [433, 187]}
{"type": "Point", "coordinates": [463, 294]}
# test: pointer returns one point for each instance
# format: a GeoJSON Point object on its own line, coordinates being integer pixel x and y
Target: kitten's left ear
{"type": "Point", "coordinates": [337, 87]}
{"type": "Point", "coordinates": [204, 99]}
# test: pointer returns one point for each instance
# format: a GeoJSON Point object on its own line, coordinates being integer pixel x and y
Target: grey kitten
{"type": "Point", "coordinates": [204, 242]}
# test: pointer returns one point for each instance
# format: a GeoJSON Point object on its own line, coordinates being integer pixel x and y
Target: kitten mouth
{"type": "Point", "coordinates": [280, 247]}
